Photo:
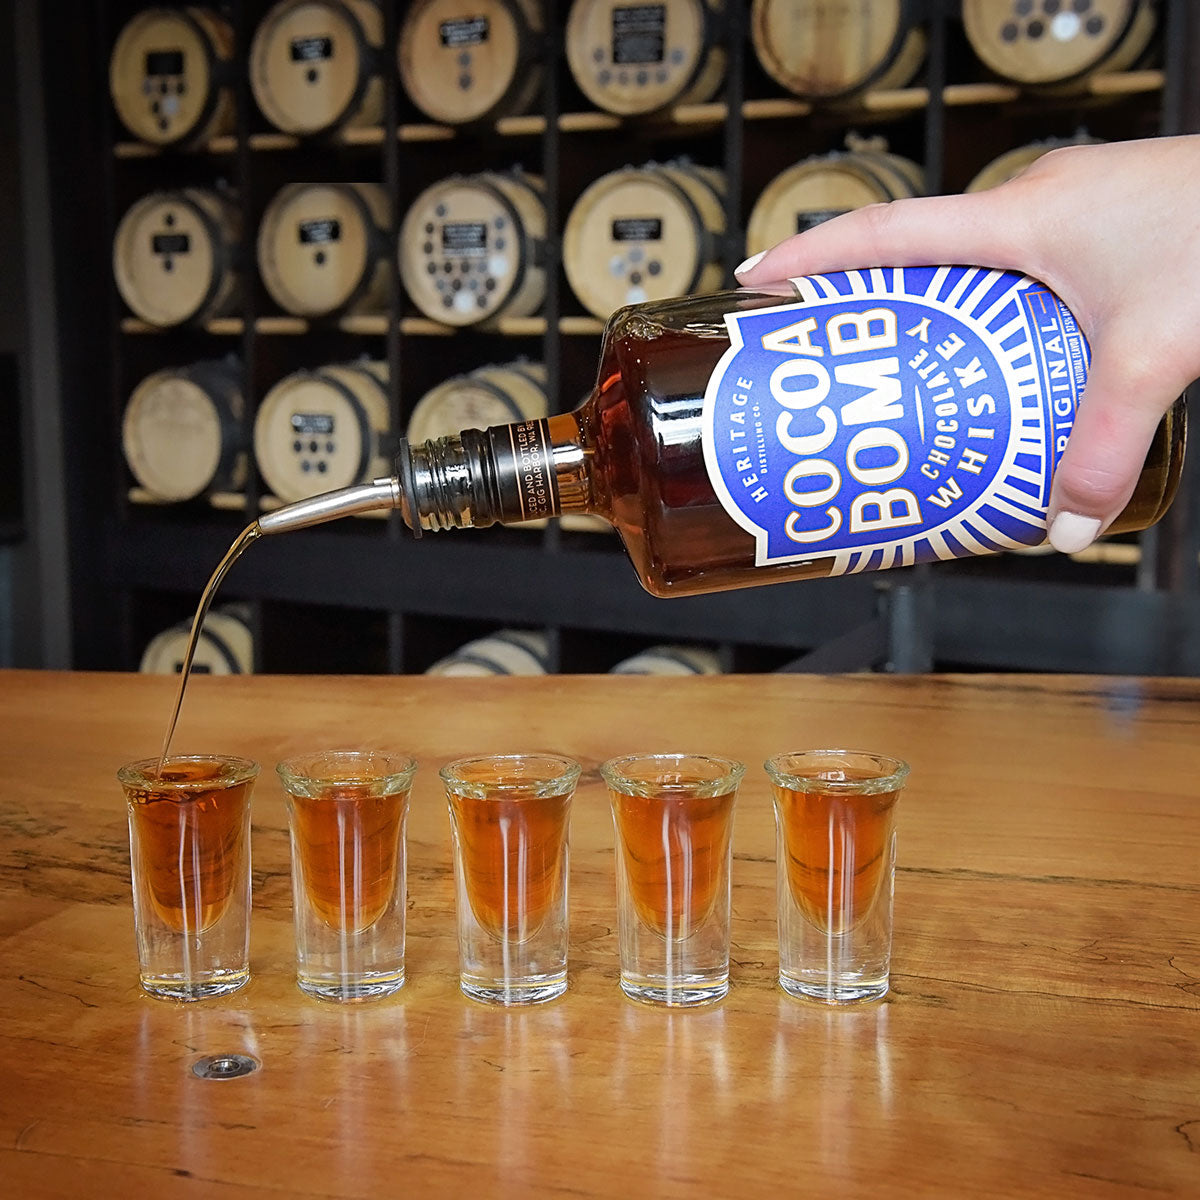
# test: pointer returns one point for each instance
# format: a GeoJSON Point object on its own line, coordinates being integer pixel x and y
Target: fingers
{"type": "Point", "coordinates": [1119, 412]}
{"type": "Point", "coordinates": [983, 229]}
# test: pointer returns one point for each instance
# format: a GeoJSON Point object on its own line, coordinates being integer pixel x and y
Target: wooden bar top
{"type": "Point", "coordinates": [1042, 1036]}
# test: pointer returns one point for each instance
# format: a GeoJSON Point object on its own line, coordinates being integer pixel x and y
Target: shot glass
{"type": "Point", "coordinates": [189, 849]}
{"type": "Point", "coordinates": [509, 819]}
{"type": "Point", "coordinates": [347, 811]}
{"type": "Point", "coordinates": [674, 822]}
{"type": "Point", "coordinates": [835, 823]}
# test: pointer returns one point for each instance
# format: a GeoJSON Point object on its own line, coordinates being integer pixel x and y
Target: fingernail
{"type": "Point", "coordinates": [1070, 533]}
{"type": "Point", "coordinates": [752, 261]}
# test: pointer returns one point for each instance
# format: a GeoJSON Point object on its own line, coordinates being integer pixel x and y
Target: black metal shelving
{"type": "Point", "coordinates": [136, 566]}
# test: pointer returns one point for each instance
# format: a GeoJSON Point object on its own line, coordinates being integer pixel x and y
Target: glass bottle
{"type": "Point", "coordinates": [840, 423]}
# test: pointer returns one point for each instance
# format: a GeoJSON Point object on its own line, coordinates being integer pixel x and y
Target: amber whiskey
{"type": "Point", "coordinates": [674, 848]}
{"type": "Point", "coordinates": [837, 849]}
{"type": "Point", "coordinates": [511, 848]}
{"type": "Point", "coordinates": [190, 842]}
{"type": "Point", "coordinates": [347, 839]}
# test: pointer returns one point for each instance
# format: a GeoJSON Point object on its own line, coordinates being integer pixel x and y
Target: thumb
{"type": "Point", "coordinates": [1118, 414]}
{"type": "Point", "coordinates": [915, 232]}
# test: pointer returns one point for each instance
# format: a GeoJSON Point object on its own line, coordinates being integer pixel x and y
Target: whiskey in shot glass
{"type": "Point", "coordinates": [347, 811]}
{"type": "Point", "coordinates": [674, 823]}
{"type": "Point", "coordinates": [835, 821]}
{"type": "Point", "coordinates": [509, 816]}
{"type": "Point", "coordinates": [189, 843]}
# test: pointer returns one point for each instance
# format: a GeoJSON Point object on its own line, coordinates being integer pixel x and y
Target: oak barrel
{"type": "Point", "coordinates": [323, 248]}
{"type": "Point", "coordinates": [495, 395]}
{"type": "Point", "coordinates": [315, 65]}
{"type": "Point", "coordinates": [645, 233]}
{"type": "Point", "coordinates": [175, 256]}
{"type": "Point", "coordinates": [670, 660]}
{"type": "Point", "coordinates": [1058, 46]}
{"type": "Point", "coordinates": [828, 49]}
{"type": "Point", "coordinates": [472, 248]}
{"type": "Point", "coordinates": [225, 646]}
{"type": "Point", "coordinates": [505, 652]}
{"type": "Point", "coordinates": [1011, 163]}
{"type": "Point", "coordinates": [824, 186]}
{"type": "Point", "coordinates": [182, 432]}
{"type": "Point", "coordinates": [324, 429]}
{"type": "Point", "coordinates": [631, 59]}
{"type": "Point", "coordinates": [169, 75]}
{"type": "Point", "coordinates": [463, 61]}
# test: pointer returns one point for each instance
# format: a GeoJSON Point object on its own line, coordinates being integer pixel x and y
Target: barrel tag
{"type": "Point", "coordinates": [638, 34]}
{"type": "Point", "coordinates": [463, 31]}
{"type": "Point", "coordinates": [637, 229]}
{"type": "Point", "coordinates": [164, 64]}
{"type": "Point", "coordinates": [308, 423]}
{"type": "Point", "coordinates": [311, 49]}
{"type": "Point", "coordinates": [894, 416]}
{"type": "Point", "coordinates": [170, 243]}
{"type": "Point", "coordinates": [469, 239]}
{"type": "Point", "coordinates": [809, 218]}
{"type": "Point", "coordinates": [318, 230]}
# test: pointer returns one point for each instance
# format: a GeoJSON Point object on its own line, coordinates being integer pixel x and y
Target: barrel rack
{"type": "Point", "coordinates": [363, 596]}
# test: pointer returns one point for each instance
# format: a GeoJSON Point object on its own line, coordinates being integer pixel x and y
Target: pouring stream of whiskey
{"type": "Point", "coordinates": [377, 496]}
{"type": "Point", "coordinates": [248, 535]}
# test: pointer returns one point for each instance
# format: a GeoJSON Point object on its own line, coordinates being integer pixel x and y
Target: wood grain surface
{"type": "Point", "coordinates": [1042, 1037]}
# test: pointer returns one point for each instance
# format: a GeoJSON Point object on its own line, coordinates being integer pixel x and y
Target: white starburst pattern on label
{"type": "Point", "coordinates": [894, 416]}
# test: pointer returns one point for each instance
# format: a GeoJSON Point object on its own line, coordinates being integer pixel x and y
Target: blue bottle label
{"type": "Point", "coordinates": [894, 416]}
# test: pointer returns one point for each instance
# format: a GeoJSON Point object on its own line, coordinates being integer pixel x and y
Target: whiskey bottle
{"type": "Point", "coordinates": [839, 423]}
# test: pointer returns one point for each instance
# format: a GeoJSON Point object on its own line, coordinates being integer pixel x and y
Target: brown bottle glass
{"type": "Point", "coordinates": [634, 452]}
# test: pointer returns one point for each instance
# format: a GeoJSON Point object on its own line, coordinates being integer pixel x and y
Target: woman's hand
{"type": "Point", "coordinates": [1115, 231]}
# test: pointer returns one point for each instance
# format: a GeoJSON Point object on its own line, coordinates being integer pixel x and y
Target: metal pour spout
{"type": "Point", "coordinates": [441, 484]}
{"type": "Point", "coordinates": [380, 494]}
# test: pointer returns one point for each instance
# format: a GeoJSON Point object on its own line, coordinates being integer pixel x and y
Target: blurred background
{"type": "Point", "coordinates": [246, 246]}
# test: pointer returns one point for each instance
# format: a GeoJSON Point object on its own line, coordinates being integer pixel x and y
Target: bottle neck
{"type": "Point", "coordinates": [507, 474]}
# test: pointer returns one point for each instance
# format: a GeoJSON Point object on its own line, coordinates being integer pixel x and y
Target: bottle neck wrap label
{"type": "Point", "coordinates": [894, 416]}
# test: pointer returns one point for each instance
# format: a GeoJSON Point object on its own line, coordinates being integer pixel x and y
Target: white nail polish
{"type": "Point", "coordinates": [752, 261]}
{"type": "Point", "coordinates": [1070, 533]}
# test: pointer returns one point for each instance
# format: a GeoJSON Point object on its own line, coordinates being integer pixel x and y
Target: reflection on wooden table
{"type": "Point", "coordinates": [1042, 1036]}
